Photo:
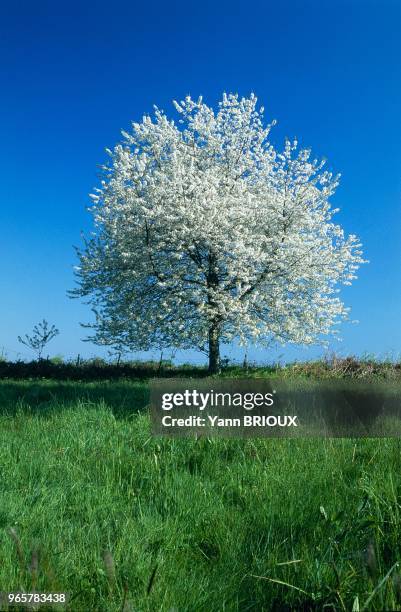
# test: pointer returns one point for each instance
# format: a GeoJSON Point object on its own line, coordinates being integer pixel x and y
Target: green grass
{"type": "Point", "coordinates": [125, 521]}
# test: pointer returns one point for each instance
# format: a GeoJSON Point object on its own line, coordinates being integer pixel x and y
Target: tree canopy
{"type": "Point", "coordinates": [205, 233]}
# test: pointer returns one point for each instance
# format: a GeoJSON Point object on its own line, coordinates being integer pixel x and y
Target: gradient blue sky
{"type": "Point", "coordinates": [74, 74]}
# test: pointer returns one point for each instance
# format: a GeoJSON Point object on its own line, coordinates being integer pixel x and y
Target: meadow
{"type": "Point", "coordinates": [92, 504]}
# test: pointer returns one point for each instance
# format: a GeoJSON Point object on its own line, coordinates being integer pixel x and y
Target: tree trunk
{"type": "Point", "coordinates": [214, 351]}
{"type": "Point", "coordinates": [212, 282]}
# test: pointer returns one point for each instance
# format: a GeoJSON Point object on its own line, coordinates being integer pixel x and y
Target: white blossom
{"type": "Point", "coordinates": [205, 233]}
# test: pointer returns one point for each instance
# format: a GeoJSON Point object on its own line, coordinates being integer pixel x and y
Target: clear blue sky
{"type": "Point", "coordinates": [74, 74]}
